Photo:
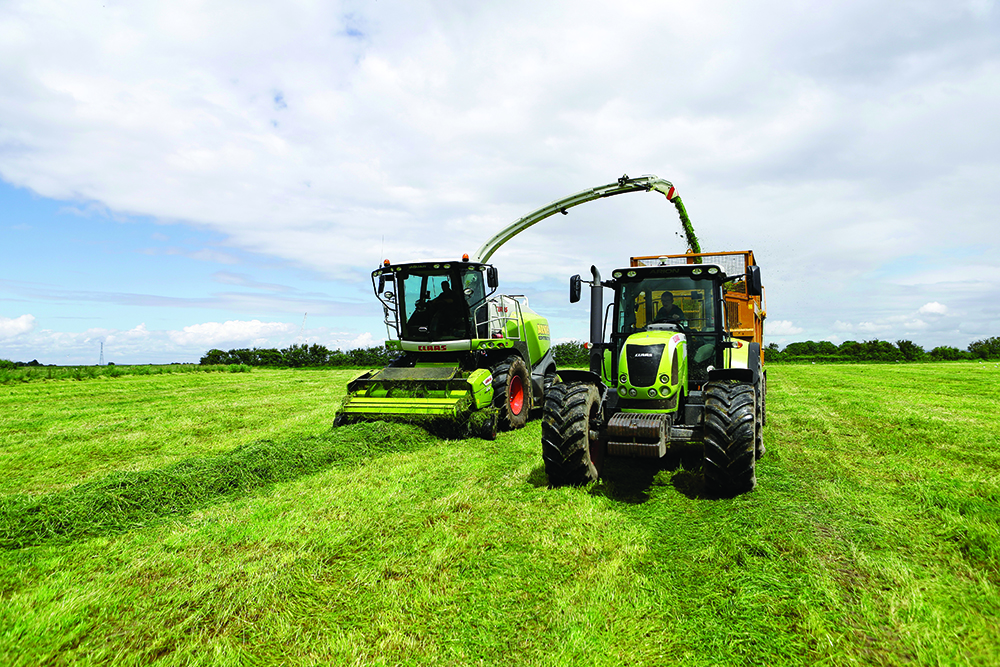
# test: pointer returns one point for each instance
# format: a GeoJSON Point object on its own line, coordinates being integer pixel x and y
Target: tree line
{"type": "Point", "coordinates": [881, 350]}
{"type": "Point", "coordinates": [574, 354]}
{"type": "Point", "coordinates": [297, 356]}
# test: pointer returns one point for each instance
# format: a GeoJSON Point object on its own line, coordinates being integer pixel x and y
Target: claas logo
{"type": "Point", "coordinates": [432, 348]}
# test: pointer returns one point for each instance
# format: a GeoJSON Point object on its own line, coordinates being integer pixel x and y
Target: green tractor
{"type": "Point", "coordinates": [682, 369]}
{"type": "Point", "coordinates": [469, 360]}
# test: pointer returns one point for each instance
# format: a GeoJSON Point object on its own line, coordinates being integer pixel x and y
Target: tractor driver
{"type": "Point", "coordinates": [668, 312]}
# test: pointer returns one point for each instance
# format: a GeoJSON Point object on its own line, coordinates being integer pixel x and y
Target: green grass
{"type": "Point", "coordinates": [247, 533]}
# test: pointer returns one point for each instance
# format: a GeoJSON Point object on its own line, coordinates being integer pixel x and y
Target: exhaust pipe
{"type": "Point", "coordinates": [596, 308]}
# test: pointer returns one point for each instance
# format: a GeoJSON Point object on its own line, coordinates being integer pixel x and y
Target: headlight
{"type": "Point", "coordinates": [623, 379]}
{"type": "Point", "coordinates": [621, 391]}
{"type": "Point", "coordinates": [652, 393]}
{"type": "Point", "coordinates": [665, 391]}
{"type": "Point", "coordinates": [632, 393]}
{"type": "Point", "coordinates": [664, 379]}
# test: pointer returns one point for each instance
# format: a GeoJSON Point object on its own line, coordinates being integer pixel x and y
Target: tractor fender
{"type": "Point", "coordinates": [745, 357]}
{"type": "Point", "coordinates": [585, 376]}
{"type": "Point", "coordinates": [538, 368]}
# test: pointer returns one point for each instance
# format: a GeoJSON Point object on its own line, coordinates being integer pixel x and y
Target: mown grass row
{"type": "Point", "coordinates": [37, 373]}
{"type": "Point", "coordinates": [129, 500]}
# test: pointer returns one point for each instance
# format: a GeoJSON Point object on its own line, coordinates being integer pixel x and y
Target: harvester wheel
{"type": "Point", "coordinates": [571, 444]}
{"type": "Point", "coordinates": [730, 438]}
{"type": "Point", "coordinates": [512, 392]}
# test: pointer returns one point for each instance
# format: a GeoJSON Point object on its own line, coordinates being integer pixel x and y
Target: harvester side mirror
{"type": "Point", "coordinates": [381, 283]}
{"type": "Point", "coordinates": [754, 286]}
{"type": "Point", "coordinates": [575, 287]}
{"type": "Point", "coordinates": [492, 279]}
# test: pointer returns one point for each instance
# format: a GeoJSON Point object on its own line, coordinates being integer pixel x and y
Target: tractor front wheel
{"type": "Point", "coordinates": [512, 393]}
{"type": "Point", "coordinates": [730, 438]}
{"type": "Point", "coordinates": [571, 444]}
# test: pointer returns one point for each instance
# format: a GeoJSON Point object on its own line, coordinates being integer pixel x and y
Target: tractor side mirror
{"type": "Point", "coordinates": [754, 286]}
{"type": "Point", "coordinates": [575, 287]}
{"type": "Point", "coordinates": [492, 279]}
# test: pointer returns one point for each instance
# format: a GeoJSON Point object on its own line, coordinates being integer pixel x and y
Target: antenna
{"type": "Point", "coordinates": [303, 327]}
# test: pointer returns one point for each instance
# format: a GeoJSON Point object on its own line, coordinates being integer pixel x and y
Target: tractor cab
{"type": "Point", "coordinates": [655, 304]}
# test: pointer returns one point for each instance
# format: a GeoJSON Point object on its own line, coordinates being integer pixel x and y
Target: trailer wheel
{"type": "Point", "coordinates": [730, 438]}
{"type": "Point", "coordinates": [571, 445]}
{"type": "Point", "coordinates": [512, 392]}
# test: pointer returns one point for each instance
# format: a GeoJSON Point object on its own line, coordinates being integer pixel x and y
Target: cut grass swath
{"type": "Point", "coordinates": [129, 500]}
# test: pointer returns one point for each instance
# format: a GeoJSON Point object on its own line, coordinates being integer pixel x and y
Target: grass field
{"type": "Point", "coordinates": [216, 519]}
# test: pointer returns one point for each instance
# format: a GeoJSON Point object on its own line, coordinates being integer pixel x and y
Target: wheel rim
{"type": "Point", "coordinates": [515, 394]}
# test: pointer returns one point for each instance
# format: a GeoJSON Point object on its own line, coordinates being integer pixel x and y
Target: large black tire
{"type": "Point", "coordinates": [511, 393]}
{"type": "Point", "coordinates": [730, 438]}
{"type": "Point", "coordinates": [571, 445]}
{"type": "Point", "coordinates": [760, 396]}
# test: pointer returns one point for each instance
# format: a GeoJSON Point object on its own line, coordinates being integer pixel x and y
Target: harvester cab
{"type": "Point", "coordinates": [681, 368]}
{"type": "Point", "coordinates": [466, 355]}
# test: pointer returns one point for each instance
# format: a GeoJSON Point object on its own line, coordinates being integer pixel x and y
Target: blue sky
{"type": "Point", "coordinates": [177, 178]}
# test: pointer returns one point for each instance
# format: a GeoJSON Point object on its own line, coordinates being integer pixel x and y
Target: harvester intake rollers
{"type": "Point", "coordinates": [512, 393]}
{"type": "Point", "coordinates": [730, 438]}
{"type": "Point", "coordinates": [570, 434]}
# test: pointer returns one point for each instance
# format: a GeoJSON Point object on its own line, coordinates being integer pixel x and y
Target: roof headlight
{"type": "Point", "coordinates": [712, 270]}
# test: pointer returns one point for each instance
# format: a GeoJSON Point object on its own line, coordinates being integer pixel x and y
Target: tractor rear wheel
{"type": "Point", "coordinates": [730, 438]}
{"type": "Point", "coordinates": [512, 392]}
{"type": "Point", "coordinates": [760, 394]}
{"type": "Point", "coordinates": [571, 444]}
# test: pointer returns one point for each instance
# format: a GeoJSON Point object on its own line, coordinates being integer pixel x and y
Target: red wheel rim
{"type": "Point", "coordinates": [515, 395]}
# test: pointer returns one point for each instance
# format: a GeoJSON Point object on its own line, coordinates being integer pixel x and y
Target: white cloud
{"type": "Point", "coordinates": [212, 334]}
{"type": "Point", "coordinates": [933, 308]}
{"type": "Point", "coordinates": [780, 328]}
{"type": "Point", "coordinates": [18, 326]}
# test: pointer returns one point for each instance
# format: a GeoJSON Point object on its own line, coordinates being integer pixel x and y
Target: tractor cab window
{"type": "Point", "coordinates": [679, 300]}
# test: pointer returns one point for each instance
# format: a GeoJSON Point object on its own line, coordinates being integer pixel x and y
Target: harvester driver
{"type": "Point", "coordinates": [448, 313]}
{"type": "Point", "coordinates": [668, 312]}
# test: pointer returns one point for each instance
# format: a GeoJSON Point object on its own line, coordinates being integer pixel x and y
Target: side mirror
{"type": "Point", "coordinates": [492, 279]}
{"type": "Point", "coordinates": [754, 286]}
{"type": "Point", "coordinates": [381, 283]}
{"type": "Point", "coordinates": [575, 287]}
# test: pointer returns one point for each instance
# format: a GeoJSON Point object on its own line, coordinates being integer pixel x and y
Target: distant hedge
{"type": "Point", "coordinates": [297, 356]}
{"type": "Point", "coordinates": [880, 350]}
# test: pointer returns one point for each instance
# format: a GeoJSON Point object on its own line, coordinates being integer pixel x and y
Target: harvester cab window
{"type": "Point", "coordinates": [432, 308]}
